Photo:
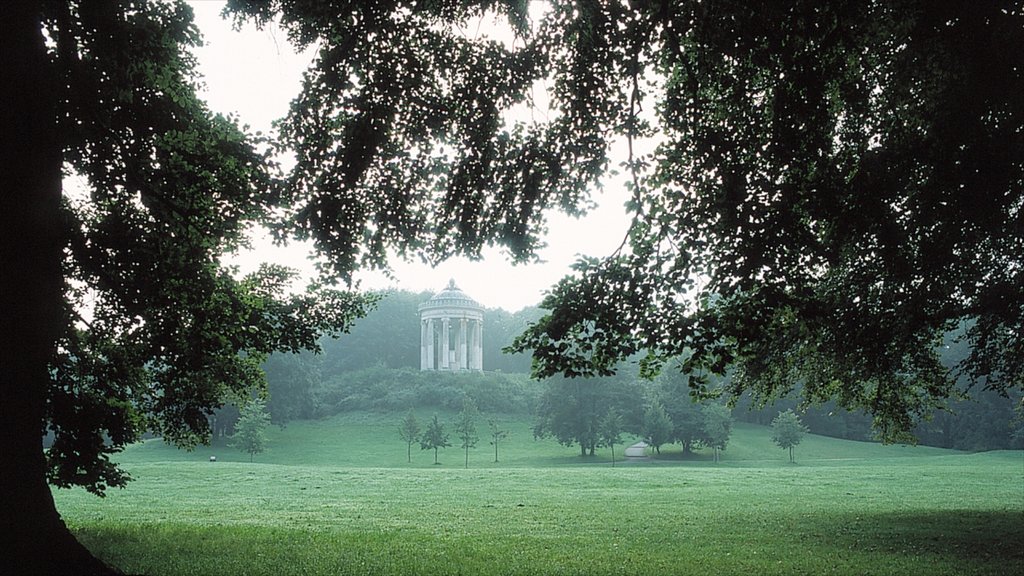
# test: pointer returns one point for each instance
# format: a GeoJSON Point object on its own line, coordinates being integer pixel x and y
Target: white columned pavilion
{"type": "Point", "coordinates": [451, 332]}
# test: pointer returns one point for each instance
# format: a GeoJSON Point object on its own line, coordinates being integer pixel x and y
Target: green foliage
{"type": "Point", "coordinates": [673, 393]}
{"type": "Point", "coordinates": [787, 431]}
{"type": "Point", "coordinates": [434, 437]}
{"type": "Point", "coordinates": [412, 163]}
{"type": "Point", "coordinates": [610, 431]}
{"type": "Point", "coordinates": [166, 187]}
{"type": "Point", "coordinates": [657, 426]}
{"type": "Point", "coordinates": [833, 187]}
{"type": "Point", "coordinates": [388, 390]}
{"type": "Point", "coordinates": [387, 336]}
{"type": "Point", "coordinates": [571, 408]}
{"type": "Point", "coordinates": [366, 439]}
{"type": "Point", "coordinates": [292, 380]}
{"type": "Point", "coordinates": [820, 194]}
{"type": "Point", "coordinates": [501, 329]}
{"type": "Point", "coordinates": [409, 432]}
{"type": "Point", "coordinates": [465, 427]}
{"type": "Point", "coordinates": [251, 429]}
{"type": "Point", "coordinates": [717, 427]}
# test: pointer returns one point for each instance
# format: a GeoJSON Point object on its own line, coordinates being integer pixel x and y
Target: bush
{"type": "Point", "coordinates": [397, 390]}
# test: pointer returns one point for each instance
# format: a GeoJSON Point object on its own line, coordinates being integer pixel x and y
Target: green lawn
{"type": "Point", "coordinates": [366, 439]}
{"type": "Point", "coordinates": [337, 497]}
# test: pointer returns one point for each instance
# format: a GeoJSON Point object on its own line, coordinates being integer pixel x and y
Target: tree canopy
{"type": "Point", "coordinates": [155, 331]}
{"type": "Point", "coordinates": [788, 431]}
{"type": "Point", "coordinates": [834, 185]}
{"type": "Point", "coordinates": [434, 437]}
{"type": "Point", "coordinates": [250, 432]}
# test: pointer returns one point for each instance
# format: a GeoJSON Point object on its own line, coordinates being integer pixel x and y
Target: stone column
{"type": "Point", "coordinates": [479, 341]}
{"type": "Point", "coordinates": [471, 345]}
{"type": "Point", "coordinates": [423, 344]}
{"type": "Point", "coordinates": [463, 345]}
{"type": "Point", "coordinates": [431, 357]}
{"type": "Point", "coordinates": [445, 345]}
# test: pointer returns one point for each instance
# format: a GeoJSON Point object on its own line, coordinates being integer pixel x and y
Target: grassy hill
{"type": "Point", "coordinates": [336, 497]}
{"type": "Point", "coordinates": [367, 439]}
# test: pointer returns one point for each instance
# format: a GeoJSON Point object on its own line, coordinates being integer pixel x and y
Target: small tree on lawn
{"type": "Point", "coordinates": [787, 431]}
{"type": "Point", "coordinates": [434, 437]}
{"type": "Point", "coordinates": [717, 427]}
{"type": "Point", "coordinates": [497, 435]}
{"type": "Point", "coordinates": [657, 426]}
{"type": "Point", "coordinates": [609, 430]}
{"type": "Point", "coordinates": [409, 431]}
{"type": "Point", "coordinates": [465, 427]}
{"type": "Point", "coordinates": [250, 430]}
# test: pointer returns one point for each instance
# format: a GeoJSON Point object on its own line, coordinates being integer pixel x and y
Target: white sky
{"type": "Point", "coordinates": [255, 74]}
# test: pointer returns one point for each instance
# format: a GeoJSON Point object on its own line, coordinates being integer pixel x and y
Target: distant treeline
{"type": "Point", "coordinates": [376, 367]}
{"type": "Point", "coordinates": [985, 421]}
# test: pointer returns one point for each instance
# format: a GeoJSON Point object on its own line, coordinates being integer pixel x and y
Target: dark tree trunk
{"type": "Point", "coordinates": [36, 540]}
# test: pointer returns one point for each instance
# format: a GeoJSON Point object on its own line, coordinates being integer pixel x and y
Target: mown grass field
{"type": "Point", "coordinates": [337, 497]}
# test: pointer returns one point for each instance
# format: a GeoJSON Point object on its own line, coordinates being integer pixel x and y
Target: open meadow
{"type": "Point", "coordinates": [337, 497]}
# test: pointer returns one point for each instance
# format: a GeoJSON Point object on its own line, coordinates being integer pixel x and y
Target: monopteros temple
{"type": "Point", "coordinates": [451, 331]}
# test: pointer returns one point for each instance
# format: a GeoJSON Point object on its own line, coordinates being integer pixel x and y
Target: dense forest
{"type": "Point", "coordinates": [376, 367]}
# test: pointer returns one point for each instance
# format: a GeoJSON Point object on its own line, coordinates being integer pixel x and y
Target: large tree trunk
{"type": "Point", "coordinates": [36, 539]}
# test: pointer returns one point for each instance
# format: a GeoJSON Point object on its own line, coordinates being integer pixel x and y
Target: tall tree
{"type": "Point", "coordinates": [251, 429]}
{"type": "Point", "coordinates": [657, 427]}
{"type": "Point", "coordinates": [610, 431]}
{"type": "Point", "coordinates": [291, 382]}
{"type": "Point", "coordinates": [434, 437]}
{"type": "Point", "coordinates": [788, 431]}
{"type": "Point", "coordinates": [409, 432]}
{"type": "Point", "coordinates": [570, 409]}
{"type": "Point", "coordinates": [465, 427]}
{"type": "Point", "coordinates": [118, 317]}
{"type": "Point", "coordinates": [833, 186]}
{"type": "Point", "coordinates": [673, 392]}
{"type": "Point", "coordinates": [717, 427]}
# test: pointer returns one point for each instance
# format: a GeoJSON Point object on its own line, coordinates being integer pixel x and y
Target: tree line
{"type": "Point", "coordinates": [376, 367]}
{"type": "Point", "coordinates": [435, 436]}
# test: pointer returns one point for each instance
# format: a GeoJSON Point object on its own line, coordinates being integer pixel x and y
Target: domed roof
{"type": "Point", "coordinates": [451, 296]}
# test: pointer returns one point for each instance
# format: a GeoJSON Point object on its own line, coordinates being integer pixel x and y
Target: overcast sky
{"type": "Point", "coordinates": [255, 74]}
